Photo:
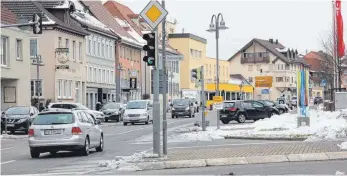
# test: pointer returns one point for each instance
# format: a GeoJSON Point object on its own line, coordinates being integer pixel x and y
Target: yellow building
{"type": "Point", "coordinates": [210, 71]}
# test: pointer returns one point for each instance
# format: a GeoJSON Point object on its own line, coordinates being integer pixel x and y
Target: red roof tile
{"type": "Point", "coordinates": [314, 60]}
{"type": "Point", "coordinates": [7, 17]}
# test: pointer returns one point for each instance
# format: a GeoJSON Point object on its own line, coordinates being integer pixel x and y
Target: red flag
{"type": "Point", "coordinates": [339, 30]}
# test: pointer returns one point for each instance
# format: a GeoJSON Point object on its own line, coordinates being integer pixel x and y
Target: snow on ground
{"type": "Point", "coordinates": [324, 126]}
{"type": "Point", "coordinates": [343, 146]}
{"type": "Point", "coordinates": [7, 136]}
{"type": "Point", "coordinates": [127, 163]}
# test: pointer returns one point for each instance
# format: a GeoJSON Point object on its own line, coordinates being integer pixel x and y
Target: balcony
{"type": "Point", "coordinates": [255, 58]}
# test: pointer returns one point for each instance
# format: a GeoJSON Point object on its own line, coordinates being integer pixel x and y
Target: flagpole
{"type": "Point", "coordinates": [334, 42]}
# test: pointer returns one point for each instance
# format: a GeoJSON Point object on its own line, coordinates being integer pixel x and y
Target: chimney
{"type": "Point", "coordinates": [271, 40]}
{"type": "Point", "coordinates": [276, 41]}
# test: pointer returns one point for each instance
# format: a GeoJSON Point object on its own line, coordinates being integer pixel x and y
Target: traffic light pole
{"type": "Point", "coordinates": [203, 124]}
{"type": "Point", "coordinates": [165, 81]}
{"type": "Point", "coordinates": [156, 103]}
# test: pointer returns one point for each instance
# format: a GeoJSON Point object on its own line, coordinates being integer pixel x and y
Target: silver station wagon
{"type": "Point", "coordinates": [65, 130]}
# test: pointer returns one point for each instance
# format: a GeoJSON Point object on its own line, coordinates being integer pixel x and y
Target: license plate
{"type": "Point", "coordinates": [10, 124]}
{"type": "Point", "coordinates": [52, 132]}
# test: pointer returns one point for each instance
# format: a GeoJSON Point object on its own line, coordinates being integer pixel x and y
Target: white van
{"type": "Point", "coordinates": [138, 111]}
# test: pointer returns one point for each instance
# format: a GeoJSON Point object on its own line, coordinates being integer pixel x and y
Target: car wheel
{"type": "Point", "coordinates": [100, 148]}
{"type": "Point", "coordinates": [12, 131]}
{"type": "Point", "coordinates": [125, 124]}
{"type": "Point", "coordinates": [147, 121]}
{"type": "Point", "coordinates": [106, 120]}
{"type": "Point", "coordinates": [272, 114]}
{"type": "Point", "coordinates": [281, 111]}
{"type": "Point", "coordinates": [172, 116]}
{"type": "Point", "coordinates": [225, 121]}
{"type": "Point", "coordinates": [190, 115]}
{"type": "Point", "coordinates": [85, 149]}
{"type": "Point", "coordinates": [132, 123]}
{"type": "Point", "coordinates": [241, 118]}
{"type": "Point", "coordinates": [34, 153]}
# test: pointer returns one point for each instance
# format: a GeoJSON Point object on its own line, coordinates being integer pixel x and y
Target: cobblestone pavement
{"type": "Point", "coordinates": [253, 150]}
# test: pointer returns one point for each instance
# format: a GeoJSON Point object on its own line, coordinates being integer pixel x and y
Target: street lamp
{"type": "Point", "coordinates": [215, 26]}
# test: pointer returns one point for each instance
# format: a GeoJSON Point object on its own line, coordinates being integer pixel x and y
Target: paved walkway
{"type": "Point", "coordinates": [252, 150]}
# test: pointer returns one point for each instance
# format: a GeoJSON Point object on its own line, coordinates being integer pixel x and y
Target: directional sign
{"type": "Point", "coordinates": [217, 99]}
{"type": "Point", "coordinates": [263, 81]}
{"type": "Point", "coordinates": [153, 13]}
{"type": "Point", "coordinates": [133, 83]}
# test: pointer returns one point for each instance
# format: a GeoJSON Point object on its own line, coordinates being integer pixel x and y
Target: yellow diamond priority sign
{"type": "Point", "coordinates": [153, 13]}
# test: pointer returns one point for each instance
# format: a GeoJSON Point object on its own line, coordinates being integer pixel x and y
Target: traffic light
{"type": "Point", "coordinates": [37, 27]}
{"type": "Point", "coordinates": [196, 74]}
{"type": "Point", "coordinates": [150, 49]}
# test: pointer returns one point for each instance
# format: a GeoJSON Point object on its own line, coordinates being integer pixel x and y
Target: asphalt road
{"type": "Point", "coordinates": [297, 168]}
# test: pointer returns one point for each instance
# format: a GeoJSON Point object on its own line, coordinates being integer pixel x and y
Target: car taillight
{"type": "Point", "coordinates": [31, 132]}
{"type": "Point", "coordinates": [76, 130]}
{"type": "Point", "coordinates": [231, 109]}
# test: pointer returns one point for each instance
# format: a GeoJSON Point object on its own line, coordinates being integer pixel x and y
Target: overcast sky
{"type": "Point", "coordinates": [296, 24]}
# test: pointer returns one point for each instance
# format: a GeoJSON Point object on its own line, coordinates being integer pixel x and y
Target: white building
{"type": "Point", "coordinates": [100, 63]}
{"type": "Point", "coordinates": [15, 63]}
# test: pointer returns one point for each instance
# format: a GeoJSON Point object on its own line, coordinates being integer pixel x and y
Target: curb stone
{"type": "Point", "coordinates": [160, 165]}
{"type": "Point", "coordinates": [266, 138]}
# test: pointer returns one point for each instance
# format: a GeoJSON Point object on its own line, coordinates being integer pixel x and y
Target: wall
{"type": "Point", "coordinates": [210, 70]}
{"type": "Point", "coordinates": [17, 73]}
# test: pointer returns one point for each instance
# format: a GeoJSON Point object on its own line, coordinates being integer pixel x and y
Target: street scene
{"type": "Point", "coordinates": [120, 87]}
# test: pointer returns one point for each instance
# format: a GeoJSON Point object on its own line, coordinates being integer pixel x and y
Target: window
{"type": "Point", "coordinates": [33, 48]}
{"type": "Point", "coordinates": [107, 76]}
{"type": "Point", "coordinates": [106, 54]}
{"type": "Point", "coordinates": [95, 75]}
{"type": "Point", "coordinates": [250, 79]}
{"type": "Point", "coordinates": [90, 74]}
{"type": "Point", "coordinates": [36, 84]}
{"type": "Point", "coordinates": [257, 104]}
{"type": "Point", "coordinates": [74, 51]}
{"type": "Point", "coordinates": [66, 90]}
{"type": "Point", "coordinates": [67, 43]}
{"type": "Point", "coordinates": [4, 50]}
{"type": "Point", "coordinates": [59, 42]}
{"type": "Point", "coordinates": [279, 79]}
{"type": "Point", "coordinates": [103, 76]}
{"type": "Point", "coordinates": [112, 53]}
{"type": "Point", "coordinates": [100, 75]}
{"type": "Point", "coordinates": [258, 67]}
{"type": "Point", "coordinates": [99, 49]}
{"type": "Point", "coordinates": [60, 87]}
{"type": "Point", "coordinates": [112, 78]}
{"type": "Point", "coordinates": [90, 46]}
{"type": "Point", "coordinates": [80, 52]}
{"type": "Point", "coordinates": [94, 48]}
{"type": "Point", "coordinates": [250, 67]}
{"type": "Point", "coordinates": [19, 49]}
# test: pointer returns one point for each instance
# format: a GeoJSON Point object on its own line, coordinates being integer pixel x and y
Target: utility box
{"type": "Point", "coordinates": [340, 100]}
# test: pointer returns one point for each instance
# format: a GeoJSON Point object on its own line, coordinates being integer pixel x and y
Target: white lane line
{"type": "Point", "coordinates": [8, 162]}
{"type": "Point", "coordinates": [139, 129]}
{"type": "Point", "coordinates": [7, 148]}
{"type": "Point", "coordinates": [220, 145]}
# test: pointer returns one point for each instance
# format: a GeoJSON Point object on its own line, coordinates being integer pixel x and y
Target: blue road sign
{"type": "Point", "coordinates": [265, 91]}
{"type": "Point", "coordinates": [323, 82]}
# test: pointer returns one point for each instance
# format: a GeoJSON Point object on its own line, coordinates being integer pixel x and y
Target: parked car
{"type": "Point", "coordinates": [282, 108]}
{"type": "Point", "coordinates": [113, 111]}
{"type": "Point", "coordinates": [138, 111]}
{"type": "Point", "coordinates": [19, 118]}
{"type": "Point", "coordinates": [61, 105]}
{"type": "Point", "coordinates": [182, 107]}
{"type": "Point", "coordinates": [318, 100]}
{"type": "Point", "coordinates": [65, 130]}
{"type": "Point", "coordinates": [293, 101]}
{"type": "Point", "coordinates": [243, 110]}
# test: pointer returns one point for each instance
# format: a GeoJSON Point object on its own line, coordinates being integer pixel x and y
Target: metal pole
{"type": "Point", "coordinates": [165, 82]}
{"type": "Point", "coordinates": [18, 25]}
{"type": "Point", "coordinates": [171, 69]}
{"type": "Point", "coordinates": [217, 60]}
{"type": "Point", "coordinates": [118, 80]}
{"type": "Point", "coordinates": [203, 99]}
{"type": "Point", "coordinates": [156, 103]}
{"type": "Point", "coordinates": [38, 59]}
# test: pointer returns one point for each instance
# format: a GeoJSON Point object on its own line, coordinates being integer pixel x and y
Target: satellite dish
{"type": "Point", "coordinates": [24, 28]}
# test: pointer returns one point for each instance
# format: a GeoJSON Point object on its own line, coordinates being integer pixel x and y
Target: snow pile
{"type": "Point", "coordinates": [343, 146]}
{"type": "Point", "coordinates": [339, 173]}
{"type": "Point", "coordinates": [196, 134]}
{"type": "Point", "coordinates": [6, 136]}
{"type": "Point", "coordinates": [127, 163]}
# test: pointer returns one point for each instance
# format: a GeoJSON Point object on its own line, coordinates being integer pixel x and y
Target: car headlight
{"type": "Point", "coordinates": [144, 114]}
{"type": "Point", "coordinates": [22, 120]}
{"type": "Point", "coordinates": [187, 108]}
{"type": "Point", "coordinates": [116, 112]}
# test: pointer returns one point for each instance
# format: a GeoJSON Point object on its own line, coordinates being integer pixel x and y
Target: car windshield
{"type": "Point", "coordinates": [181, 102]}
{"type": "Point", "coordinates": [17, 110]}
{"type": "Point", "coordinates": [51, 119]}
{"type": "Point", "coordinates": [268, 103]}
{"type": "Point", "coordinates": [112, 106]}
{"type": "Point", "coordinates": [293, 98]}
{"type": "Point", "coordinates": [137, 105]}
{"type": "Point", "coordinates": [81, 106]}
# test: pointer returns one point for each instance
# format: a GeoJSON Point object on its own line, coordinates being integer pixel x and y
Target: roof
{"type": "Point", "coordinates": [237, 76]}
{"type": "Point", "coordinates": [8, 17]}
{"type": "Point", "coordinates": [102, 14]}
{"type": "Point", "coordinates": [188, 35]}
{"type": "Point", "coordinates": [88, 21]}
{"type": "Point", "coordinates": [315, 59]}
{"type": "Point", "coordinates": [26, 9]}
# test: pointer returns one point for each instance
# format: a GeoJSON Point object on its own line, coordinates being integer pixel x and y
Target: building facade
{"type": "Point", "coordinates": [268, 58]}
{"type": "Point", "coordinates": [61, 49]}
{"type": "Point", "coordinates": [15, 63]}
{"type": "Point", "coordinates": [100, 60]}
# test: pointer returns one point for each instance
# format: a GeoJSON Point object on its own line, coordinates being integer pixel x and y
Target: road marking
{"type": "Point", "coordinates": [7, 148]}
{"type": "Point", "coordinates": [8, 162]}
{"type": "Point", "coordinates": [140, 129]}
{"type": "Point", "coordinates": [199, 146]}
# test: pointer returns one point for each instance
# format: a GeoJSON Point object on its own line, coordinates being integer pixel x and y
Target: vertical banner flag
{"type": "Point", "coordinates": [302, 90]}
{"type": "Point", "coordinates": [339, 30]}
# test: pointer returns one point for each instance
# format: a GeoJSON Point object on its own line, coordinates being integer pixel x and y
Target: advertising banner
{"type": "Point", "coordinates": [303, 93]}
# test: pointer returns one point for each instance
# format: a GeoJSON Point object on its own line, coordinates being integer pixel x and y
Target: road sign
{"type": "Point", "coordinates": [265, 91]}
{"type": "Point", "coordinates": [62, 67]}
{"type": "Point", "coordinates": [218, 106]}
{"type": "Point", "coordinates": [263, 81]}
{"type": "Point", "coordinates": [153, 13]}
{"type": "Point", "coordinates": [133, 83]}
{"type": "Point", "coordinates": [217, 99]}
{"type": "Point", "coordinates": [323, 82]}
